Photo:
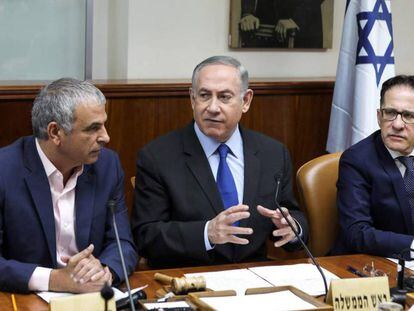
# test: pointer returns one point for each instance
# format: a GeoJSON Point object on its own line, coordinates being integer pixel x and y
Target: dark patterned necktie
{"type": "Point", "coordinates": [225, 180]}
{"type": "Point", "coordinates": [409, 181]}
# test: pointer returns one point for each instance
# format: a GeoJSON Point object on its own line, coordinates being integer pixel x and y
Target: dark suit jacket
{"type": "Point", "coordinates": [175, 194]}
{"type": "Point", "coordinates": [27, 226]}
{"type": "Point", "coordinates": [374, 213]}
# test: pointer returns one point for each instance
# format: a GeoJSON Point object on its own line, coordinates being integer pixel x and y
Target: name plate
{"type": "Point", "coordinates": [90, 302]}
{"type": "Point", "coordinates": [358, 293]}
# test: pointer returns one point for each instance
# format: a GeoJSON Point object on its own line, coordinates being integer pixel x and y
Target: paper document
{"type": "Point", "coordinates": [284, 300]}
{"type": "Point", "coordinates": [305, 277]}
{"type": "Point", "coordinates": [409, 264]}
{"type": "Point", "coordinates": [238, 280]}
{"type": "Point", "coordinates": [166, 305]}
{"type": "Point", "coordinates": [46, 296]}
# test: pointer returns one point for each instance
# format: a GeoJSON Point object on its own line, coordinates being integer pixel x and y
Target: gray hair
{"type": "Point", "coordinates": [223, 60]}
{"type": "Point", "coordinates": [57, 102]}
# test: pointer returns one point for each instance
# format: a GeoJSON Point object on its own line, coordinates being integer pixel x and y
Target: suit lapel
{"type": "Point", "coordinates": [39, 188]}
{"type": "Point", "coordinates": [397, 181]}
{"type": "Point", "coordinates": [84, 206]}
{"type": "Point", "coordinates": [200, 168]}
{"type": "Point", "coordinates": [251, 172]}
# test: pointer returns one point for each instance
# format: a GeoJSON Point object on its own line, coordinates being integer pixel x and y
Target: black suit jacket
{"type": "Point", "coordinates": [176, 194]}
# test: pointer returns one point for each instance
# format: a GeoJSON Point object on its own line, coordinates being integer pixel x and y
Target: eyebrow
{"type": "Point", "coordinates": [404, 110]}
{"type": "Point", "coordinates": [93, 125]}
{"type": "Point", "coordinates": [219, 92]}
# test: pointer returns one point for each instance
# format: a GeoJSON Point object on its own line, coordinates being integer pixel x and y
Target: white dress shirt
{"type": "Point", "coordinates": [63, 200]}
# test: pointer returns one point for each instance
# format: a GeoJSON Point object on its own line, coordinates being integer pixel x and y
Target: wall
{"type": "Point", "coordinates": [167, 38]}
{"type": "Point", "coordinates": [42, 39]}
{"type": "Point", "coordinates": [140, 112]}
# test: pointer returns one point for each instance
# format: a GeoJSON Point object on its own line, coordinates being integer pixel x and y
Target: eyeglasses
{"type": "Point", "coordinates": [369, 270]}
{"type": "Point", "coordinates": [390, 114]}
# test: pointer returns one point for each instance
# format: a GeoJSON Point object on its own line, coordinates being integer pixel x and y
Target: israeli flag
{"type": "Point", "coordinates": [366, 60]}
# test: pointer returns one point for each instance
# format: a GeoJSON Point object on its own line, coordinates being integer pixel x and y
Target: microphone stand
{"type": "Point", "coordinates": [308, 252]}
{"type": "Point", "coordinates": [398, 293]}
{"type": "Point", "coordinates": [111, 204]}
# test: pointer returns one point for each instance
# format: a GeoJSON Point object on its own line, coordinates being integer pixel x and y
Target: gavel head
{"type": "Point", "coordinates": [184, 285]}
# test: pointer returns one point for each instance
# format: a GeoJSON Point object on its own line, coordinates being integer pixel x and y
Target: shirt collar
{"type": "Point", "coordinates": [396, 154]}
{"type": "Point", "coordinates": [210, 145]}
{"type": "Point", "coordinates": [48, 165]}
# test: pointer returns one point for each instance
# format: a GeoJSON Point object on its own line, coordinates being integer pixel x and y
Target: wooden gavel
{"type": "Point", "coordinates": [182, 285]}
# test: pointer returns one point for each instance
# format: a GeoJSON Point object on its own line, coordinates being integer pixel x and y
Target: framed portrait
{"type": "Point", "coordinates": [281, 24]}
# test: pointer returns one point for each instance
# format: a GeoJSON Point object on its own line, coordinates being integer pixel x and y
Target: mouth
{"type": "Point", "coordinates": [396, 137]}
{"type": "Point", "coordinates": [96, 151]}
{"type": "Point", "coordinates": [213, 120]}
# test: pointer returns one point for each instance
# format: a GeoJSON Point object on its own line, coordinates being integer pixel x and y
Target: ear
{"type": "Point", "coordinates": [379, 117]}
{"type": "Point", "coordinates": [54, 133]}
{"type": "Point", "coordinates": [247, 99]}
{"type": "Point", "coordinates": [192, 97]}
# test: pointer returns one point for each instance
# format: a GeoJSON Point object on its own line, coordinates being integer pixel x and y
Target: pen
{"type": "Point", "coordinates": [165, 297]}
{"type": "Point", "coordinates": [13, 299]}
{"type": "Point", "coordinates": [355, 271]}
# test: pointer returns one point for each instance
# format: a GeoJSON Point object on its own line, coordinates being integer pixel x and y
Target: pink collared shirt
{"type": "Point", "coordinates": [63, 199]}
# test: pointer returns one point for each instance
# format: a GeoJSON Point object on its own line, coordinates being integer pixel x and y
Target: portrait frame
{"type": "Point", "coordinates": [281, 24]}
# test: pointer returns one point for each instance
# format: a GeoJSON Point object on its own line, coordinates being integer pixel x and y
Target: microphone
{"type": "Point", "coordinates": [404, 285]}
{"type": "Point", "coordinates": [308, 252]}
{"type": "Point", "coordinates": [107, 293]}
{"type": "Point", "coordinates": [112, 204]}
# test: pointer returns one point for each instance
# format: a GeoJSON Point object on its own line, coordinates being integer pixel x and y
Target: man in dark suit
{"type": "Point", "coordinates": [375, 199]}
{"type": "Point", "coordinates": [195, 205]}
{"type": "Point", "coordinates": [56, 228]}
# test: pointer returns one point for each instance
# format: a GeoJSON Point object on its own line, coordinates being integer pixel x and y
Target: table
{"type": "Point", "coordinates": [335, 264]}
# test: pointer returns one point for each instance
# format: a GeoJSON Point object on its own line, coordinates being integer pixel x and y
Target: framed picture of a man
{"type": "Point", "coordinates": [290, 24]}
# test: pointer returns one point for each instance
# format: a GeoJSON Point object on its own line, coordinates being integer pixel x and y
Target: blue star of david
{"type": "Point", "coordinates": [378, 61]}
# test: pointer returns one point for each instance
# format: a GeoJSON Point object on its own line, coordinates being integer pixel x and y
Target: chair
{"type": "Point", "coordinates": [316, 181]}
{"type": "Point", "coordinates": [143, 262]}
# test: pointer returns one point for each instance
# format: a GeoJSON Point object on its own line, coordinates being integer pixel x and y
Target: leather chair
{"type": "Point", "coordinates": [316, 181]}
{"type": "Point", "coordinates": [143, 262]}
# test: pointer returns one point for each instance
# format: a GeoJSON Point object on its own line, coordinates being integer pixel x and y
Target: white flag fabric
{"type": "Point", "coordinates": [366, 60]}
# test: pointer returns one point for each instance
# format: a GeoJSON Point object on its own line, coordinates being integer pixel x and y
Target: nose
{"type": "Point", "coordinates": [398, 123]}
{"type": "Point", "coordinates": [103, 137]}
{"type": "Point", "coordinates": [213, 105]}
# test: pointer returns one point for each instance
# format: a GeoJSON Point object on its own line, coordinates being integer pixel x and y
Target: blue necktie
{"type": "Point", "coordinates": [409, 181]}
{"type": "Point", "coordinates": [225, 180]}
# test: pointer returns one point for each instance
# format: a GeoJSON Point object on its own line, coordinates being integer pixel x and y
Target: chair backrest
{"type": "Point", "coordinates": [316, 181]}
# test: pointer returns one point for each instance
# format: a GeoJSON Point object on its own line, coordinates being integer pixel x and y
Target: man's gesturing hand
{"type": "Point", "coordinates": [283, 229]}
{"type": "Point", "coordinates": [221, 230]}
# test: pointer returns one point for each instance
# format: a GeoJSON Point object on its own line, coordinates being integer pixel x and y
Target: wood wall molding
{"type": "Point", "coordinates": [15, 90]}
{"type": "Point", "coordinates": [294, 112]}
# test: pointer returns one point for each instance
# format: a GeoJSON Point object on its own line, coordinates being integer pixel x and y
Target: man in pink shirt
{"type": "Point", "coordinates": [56, 228]}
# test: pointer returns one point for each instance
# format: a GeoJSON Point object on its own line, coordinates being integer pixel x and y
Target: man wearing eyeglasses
{"type": "Point", "coordinates": [376, 180]}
